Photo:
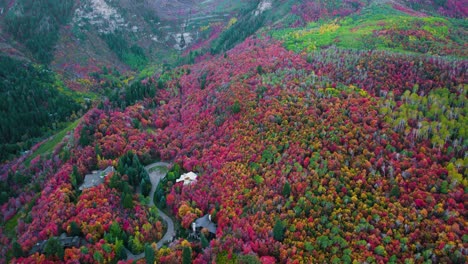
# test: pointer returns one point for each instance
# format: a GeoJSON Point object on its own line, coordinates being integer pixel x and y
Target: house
{"type": "Point", "coordinates": [64, 240]}
{"type": "Point", "coordinates": [68, 242]}
{"type": "Point", "coordinates": [203, 223]}
{"type": "Point", "coordinates": [38, 247]}
{"type": "Point", "coordinates": [188, 178]}
{"type": "Point", "coordinates": [96, 178]}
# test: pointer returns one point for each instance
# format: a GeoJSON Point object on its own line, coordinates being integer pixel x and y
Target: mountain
{"type": "Point", "coordinates": [79, 38]}
{"type": "Point", "coordinates": [318, 131]}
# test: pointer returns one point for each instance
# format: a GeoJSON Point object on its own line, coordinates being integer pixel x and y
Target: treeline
{"type": "Point", "coordinates": [133, 55]}
{"type": "Point", "coordinates": [31, 105]}
{"type": "Point", "coordinates": [37, 23]}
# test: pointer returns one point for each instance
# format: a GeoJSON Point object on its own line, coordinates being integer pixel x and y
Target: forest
{"type": "Point", "coordinates": [36, 24]}
{"type": "Point", "coordinates": [308, 147]}
{"type": "Point", "coordinates": [32, 105]}
{"type": "Point", "coordinates": [330, 174]}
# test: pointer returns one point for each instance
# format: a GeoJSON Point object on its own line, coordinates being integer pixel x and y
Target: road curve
{"type": "Point", "coordinates": [155, 177]}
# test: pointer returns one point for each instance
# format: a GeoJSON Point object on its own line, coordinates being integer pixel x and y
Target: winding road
{"type": "Point", "coordinates": [155, 176]}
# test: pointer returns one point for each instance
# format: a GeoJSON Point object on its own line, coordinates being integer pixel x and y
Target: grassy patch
{"type": "Point", "coordinates": [159, 169]}
{"type": "Point", "coordinates": [377, 27]}
{"type": "Point", "coordinates": [10, 226]}
{"type": "Point", "coordinates": [51, 143]}
{"type": "Point", "coordinates": [78, 96]}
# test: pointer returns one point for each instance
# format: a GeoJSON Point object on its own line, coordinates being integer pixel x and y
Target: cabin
{"type": "Point", "coordinates": [96, 178]}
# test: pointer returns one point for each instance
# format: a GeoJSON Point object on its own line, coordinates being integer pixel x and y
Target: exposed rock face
{"type": "Point", "coordinates": [263, 6]}
{"type": "Point", "coordinates": [154, 21]}
{"type": "Point", "coordinates": [97, 12]}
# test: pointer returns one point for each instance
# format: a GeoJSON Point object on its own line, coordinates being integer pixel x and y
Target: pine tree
{"type": "Point", "coordinates": [97, 256]}
{"type": "Point", "coordinates": [76, 177]}
{"type": "Point", "coordinates": [53, 248]}
{"type": "Point", "coordinates": [204, 241]}
{"type": "Point", "coordinates": [75, 229]}
{"type": "Point", "coordinates": [444, 187]}
{"type": "Point", "coordinates": [128, 201]}
{"type": "Point", "coordinates": [278, 231]}
{"type": "Point", "coordinates": [187, 255]}
{"type": "Point", "coordinates": [286, 190]}
{"type": "Point", "coordinates": [395, 191]}
{"type": "Point", "coordinates": [120, 252]}
{"type": "Point", "coordinates": [149, 254]}
{"type": "Point", "coordinates": [17, 250]}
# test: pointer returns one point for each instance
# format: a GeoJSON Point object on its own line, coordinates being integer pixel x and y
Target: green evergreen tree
{"type": "Point", "coordinates": [54, 248]}
{"type": "Point", "coordinates": [236, 108]}
{"type": "Point", "coordinates": [286, 190]}
{"type": "Point", "coordinates": [97, 256]}
{"type": "Point", "coordinates": [116, 182]}
{"type": "Point", "coordinates": [17, 250]}
{"type": "Point", "coordinates": [128, 201]}
{"type": "Point", "coordinates": [145, 187]}
{"type": "Point", "coordinates": [278, 231]}
{"type": "Point", "coordinates": [75, 229]}
{"type": "Point", "coordinates": [120, 252]}
{"type": "Point", "coordinates": [149, 254]}
{"type": "Point", "coordinates": [395, 191]}
{"type": "Point", "coordinates": [259, 69]}
{"type": "Point", "coordinates": [444, 187]}
{"type": "Point", "coordinates": [204, 241]}
{"type": "Point", "coordinates": [187, 255]}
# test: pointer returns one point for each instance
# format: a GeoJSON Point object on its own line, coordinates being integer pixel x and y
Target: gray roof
{"type": "Point", "coordinates": [64, 240]}
{"type": "Point", "coordinates": [205, 222]}
{"type": "Point", "coordinates": [96, 178]}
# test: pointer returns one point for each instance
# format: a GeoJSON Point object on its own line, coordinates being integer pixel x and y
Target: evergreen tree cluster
{"type": "Point", "coordinates": [31, 105]}
{"type": "Point", "coordinates": [138, 91]}
{"type": "Point", "coordinates": [37, 24]}
{"type": "Point", "coordinates": [130, 165]}
{"type": "Point", "coordinates": [132, 55]}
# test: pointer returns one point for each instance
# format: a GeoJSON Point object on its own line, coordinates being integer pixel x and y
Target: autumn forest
{"type": "Point", "coordinates": [318, 132]}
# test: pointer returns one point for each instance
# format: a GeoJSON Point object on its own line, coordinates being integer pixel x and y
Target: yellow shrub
{"type": "Point", "coordinates": [332, 27]}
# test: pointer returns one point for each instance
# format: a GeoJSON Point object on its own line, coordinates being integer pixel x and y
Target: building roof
{"type": "Point", "coordinates": [205, 222]}
{"type": "Point", "coordinates": [96, 178]}
{"type": "Point", "coordinates": [64, 240]}
{"type": "Point", "coordinates": [188, 178]}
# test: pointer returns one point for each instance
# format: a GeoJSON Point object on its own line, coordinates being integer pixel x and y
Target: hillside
{"type": "Point", "coordinates": [78, 39]}
{"type": "Point", "coordinates": [34, 104]}
{"type": "Point", "coordinates": [319, 131]}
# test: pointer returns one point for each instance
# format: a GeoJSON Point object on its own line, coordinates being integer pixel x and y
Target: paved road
{"type": "Point", "coordinates": [155, 176]}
